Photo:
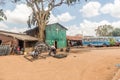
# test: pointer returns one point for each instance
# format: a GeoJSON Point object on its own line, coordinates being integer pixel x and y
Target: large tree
{"type": "Point", "coordinates": [41, 12]}
{"type": "Point", "coordinates": [104, 30]}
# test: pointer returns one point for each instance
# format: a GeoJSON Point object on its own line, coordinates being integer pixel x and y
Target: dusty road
{"type": "Point", "coordinates": [81, 65]}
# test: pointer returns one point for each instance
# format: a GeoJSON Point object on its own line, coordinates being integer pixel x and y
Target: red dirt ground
{"type": "Point", "coordinates": [81, 65]}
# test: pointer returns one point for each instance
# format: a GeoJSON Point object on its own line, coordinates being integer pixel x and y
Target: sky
{"type": "Point", "coordinates": [82, 18]}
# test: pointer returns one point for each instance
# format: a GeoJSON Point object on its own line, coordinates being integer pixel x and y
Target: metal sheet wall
{"type": "Point", "coordinates": [56, 33]}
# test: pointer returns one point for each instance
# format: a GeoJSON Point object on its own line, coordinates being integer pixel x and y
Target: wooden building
{"type": "Point", "coordinates": [17, 39]}
{"type": "Point", "coordinates": [55, 34]}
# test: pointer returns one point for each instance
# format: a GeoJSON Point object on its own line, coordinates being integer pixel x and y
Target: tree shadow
{"type": "Point", "coordinates": [31, 59]}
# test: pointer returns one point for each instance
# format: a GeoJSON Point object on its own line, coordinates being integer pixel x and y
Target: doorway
{"type": "Point", "coordinates": [56, 44]}
{"type": "Point", "coordinates": [0, 42]}
{"type": "Point", "coordinates": [21, 44]}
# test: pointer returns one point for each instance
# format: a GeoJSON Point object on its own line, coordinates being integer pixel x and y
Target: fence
{"type": "Point", "coordinates": [4, 50]}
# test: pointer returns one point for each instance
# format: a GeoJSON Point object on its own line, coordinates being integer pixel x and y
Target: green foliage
{"type": "Point", "coordinates": [71, 1]}
{"type": "Point", "coordinates": [2, 15]}
{"type": "Point", "coordinates": [104, 30]}
{"type": "Point", "coordinates": [31, 20]}
{"type": "Point", "coordinates": [112, 41]}
{"type": "Point", "coordinates": [116, 32]}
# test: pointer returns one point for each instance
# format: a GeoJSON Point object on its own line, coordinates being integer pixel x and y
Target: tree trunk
{"type": "Point", "coordinates": [42, 24]}
{"type": "Point", "coordinates": [41, 35]}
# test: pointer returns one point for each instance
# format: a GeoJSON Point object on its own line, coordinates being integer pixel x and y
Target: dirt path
{"type": "Point", "coordinates": [84, 65]}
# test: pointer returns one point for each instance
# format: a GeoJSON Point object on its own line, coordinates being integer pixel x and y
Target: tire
{"type": "Point", "coordinates": [104, 45]}
{"type": "Point", "coordinates": [89, 45]}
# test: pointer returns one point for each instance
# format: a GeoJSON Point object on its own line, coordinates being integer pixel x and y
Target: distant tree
{"type": "Point", "coordinates": [116, 32]}
{"type": "Point", "coordinates": [104, 30]}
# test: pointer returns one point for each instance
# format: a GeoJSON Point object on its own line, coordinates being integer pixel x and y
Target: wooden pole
{"type": "Point", "coordinates": [24, 46]}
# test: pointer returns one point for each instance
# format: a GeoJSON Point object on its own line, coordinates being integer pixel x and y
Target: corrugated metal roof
{"type": "Point", "coordinates": [74, 37]}
{"type": "Point", "coordinates": [19, 36]}
{"type": "Point", "coordinates": [36, 28]}
{"type": "Point", "coordinates": [57, 24]}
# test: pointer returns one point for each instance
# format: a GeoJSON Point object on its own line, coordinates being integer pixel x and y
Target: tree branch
{"type": "Point", "coordinates": [52, 4]}
{"type": "Point", "coordinates": [42, 5]}
{"type": "Point", "coordinates": [59, 4]}
{"type": "Point", "coordinates": [33, 9]}
{"type": "Point", "coordinates": [37, 6]}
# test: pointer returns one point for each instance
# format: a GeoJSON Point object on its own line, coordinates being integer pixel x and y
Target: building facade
{"type": "Point", "coordinates": [55, 34]}
{"type": "Point", "coordinates": [17, 39]}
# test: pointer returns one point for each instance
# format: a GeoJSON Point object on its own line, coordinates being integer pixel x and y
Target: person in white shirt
{"type": "Point", "coordinates": [52, 50]}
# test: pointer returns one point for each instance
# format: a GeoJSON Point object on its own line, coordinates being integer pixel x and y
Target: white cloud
{"type": "Point", "coordinates": [87, 28]}
{"type": "Point", "coordinates": [112, 9]}
{"type": "Point", "coordinates": [73, 30]}
{"type": "Point", "coordinates": [116, 24]}
{"type": "Point", "coordinates": [19, 14]}
{"type": "Point", "coordinates": [107, 8]}
{"type": "Point", "coordinates": [52, 19]}
{"type": "Point", "coordinates": [65, 17]}
{"type": "Point", "coordinates": [17, 30]}
{"type": "Point", "coordinates": [91, 9]}
{"type": "Point", "coordinates": [3, 25]}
